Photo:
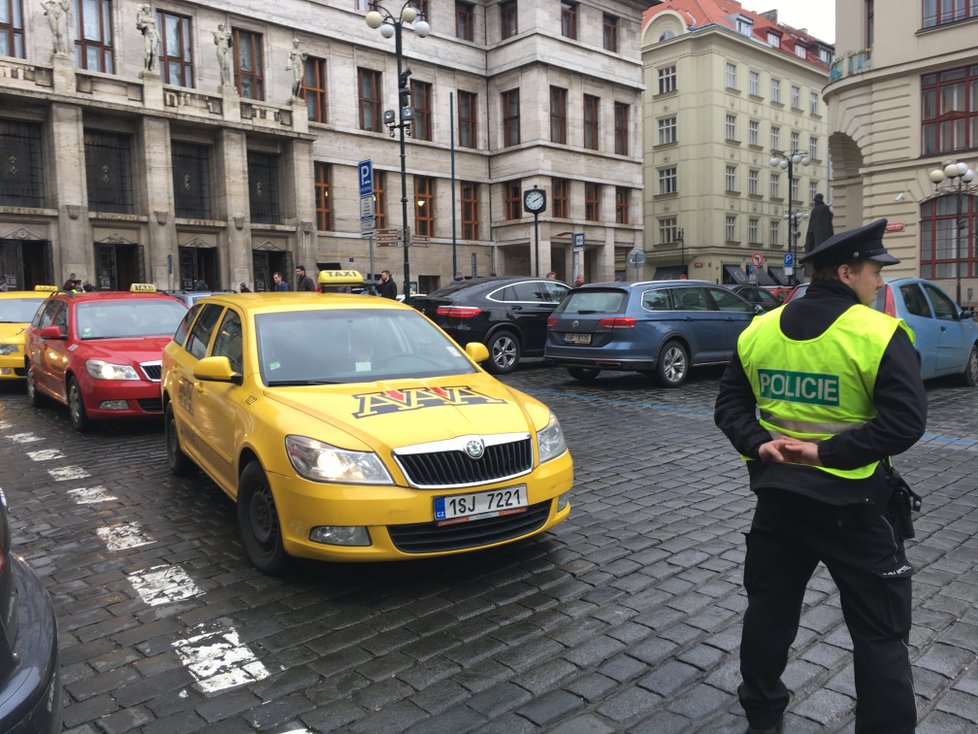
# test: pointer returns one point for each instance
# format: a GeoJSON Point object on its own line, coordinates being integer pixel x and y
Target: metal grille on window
{"type": "Point", "coordinates": [109, 171]}
{"type": "Point", "coordinates": [263, 188]}
{"type": "Point", "coordinates": [191, 181]}
{"type": "Point", "coordinates": [21, 172]}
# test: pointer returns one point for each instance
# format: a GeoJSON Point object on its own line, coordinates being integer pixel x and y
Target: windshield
{"type": "Point", "coordinates": [593, 301]}
{"type": "Point", "coordinates": [124, 318]}
{"type": "Point", "coordinates": [19, 310]}
{"type": "Point", "coordinates": [324, 346]}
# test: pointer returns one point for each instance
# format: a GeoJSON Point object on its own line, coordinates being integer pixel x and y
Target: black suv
{"type": "Point", "coordinates": [507, 314]}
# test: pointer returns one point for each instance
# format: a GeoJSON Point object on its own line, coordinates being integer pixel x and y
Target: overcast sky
{"type": "Point", "coordinates": [818, 16]}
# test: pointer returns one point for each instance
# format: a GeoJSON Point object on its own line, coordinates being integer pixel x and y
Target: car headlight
{"type": "Point", "coordinates": [321, 462]}
{"type": "Point", "coordinates": [551, 440]}
{"type": "Point", "coordinates": [102, 370]}
{"type": "Point", "coordinates": [9, 349]}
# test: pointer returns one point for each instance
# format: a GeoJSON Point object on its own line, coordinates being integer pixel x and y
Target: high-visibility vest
{"type": "Point", "coordinates": [816, 388]}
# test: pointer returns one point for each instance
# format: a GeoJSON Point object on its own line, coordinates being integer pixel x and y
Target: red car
{"type": "Point", "coordinates": [100, 353]}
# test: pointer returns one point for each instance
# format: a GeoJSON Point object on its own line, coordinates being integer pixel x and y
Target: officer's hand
{"type": "Point", "coordinates": [797, 451]}
{"type": "Point", "coordinates": [771, 451]}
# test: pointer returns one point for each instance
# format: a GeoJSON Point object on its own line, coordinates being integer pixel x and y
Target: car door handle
{"type": "Point", "coordinates": [943, 328]}
{"type": "Point", "coordinates": [517, 308]}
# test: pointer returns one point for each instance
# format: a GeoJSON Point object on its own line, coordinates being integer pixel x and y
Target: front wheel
{"type": "Point", "coordinates": [504, 353]}
{"type": "Point", "coordinates": [969, 378]}
{"type": "Point", "coordinates": [34, 396]}
{"type": "Point", "coordinates": [76, 408]}
{"type": "Point", "coordinates": [672, 367]}
{"type": "Point", "coordinates": [258, 520]}
{"type": "Point", "coordinates": [178, 462]}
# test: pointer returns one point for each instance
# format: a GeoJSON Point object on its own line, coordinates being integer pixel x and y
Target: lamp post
{"type": "Point", "coordinates": [960, 176]}
{"type": "Point", "coordinates": [783, 160]}
{"type": "Point", "coordinates": [681, 239]}
{"type": "Point", "coordinates": [389, 25]}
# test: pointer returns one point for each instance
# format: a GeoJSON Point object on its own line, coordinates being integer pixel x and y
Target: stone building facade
{"type": "Point", "coordinates": [903, 101]}
{"type": "Point", "coordinates": [190, 162]}
{"type": "Point", "coordinates": [727, 89]}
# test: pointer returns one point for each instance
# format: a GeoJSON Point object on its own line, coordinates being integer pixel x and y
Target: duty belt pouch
{"type": "Point", "coordinates": [903, 502]}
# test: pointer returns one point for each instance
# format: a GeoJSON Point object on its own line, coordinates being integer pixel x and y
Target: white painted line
{"type": "Point", "coordinates": [216, 658]}
{"type": "Point", "coordinates": [121, 537]}
{"type": "Point", "coordinates": [90, 495]}
{"type": "Point", "coordinates": [67, 473]}
{"type": "Point", "coordinates": [4, 425]}
{"type": "Point", "coordinates": [46, 454]}
{"type": "Point", "coordinates": [164, 584]}
{"type": "Point", "coordinates": [24, 437]}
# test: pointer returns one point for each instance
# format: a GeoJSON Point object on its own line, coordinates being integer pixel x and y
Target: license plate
{"type": "Point", "coordinates": [479, 505]}
{"type": "Point", "coordinates": [577, 338]}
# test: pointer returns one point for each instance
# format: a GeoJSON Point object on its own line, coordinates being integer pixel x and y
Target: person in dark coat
{"type": "Point", "coordinates": [302, 281]}
{"type": "Point", "coordinates": [819, 224]}
{"type": "Point", "coordinates": [817, 398]}
{"type": "Point", "coordinates": [387, 287]}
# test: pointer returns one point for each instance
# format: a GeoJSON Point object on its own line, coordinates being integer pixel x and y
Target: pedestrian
{"type": "Point", "coordinates": [837, 391]}
{"type": "Point", "coordinates": [388, 288]}
{"type": "Point", "coordinates": [819, 224]}
{"type": "Point", "coordinates": [69, 283]}
{"type": "Point", "coordinates": [243, 287]}
{"type": "Point", "coordinates": [551, 275]}
{"type": "Point", "coordinates": [578, 281]}
{"type": "Point", "coordinates": [280, 284]}
{"type": "Point", "coordinates": [302, 281]}
{"type": "Point", "coordinates": [86, 286]}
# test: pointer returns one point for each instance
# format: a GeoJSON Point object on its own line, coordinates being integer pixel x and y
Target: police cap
{"type": "Point", "coordinates": [862, 243]}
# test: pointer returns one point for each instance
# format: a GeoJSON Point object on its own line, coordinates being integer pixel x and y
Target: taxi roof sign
{"type": "Point", "coordinates": [46, 288]}
{"type": "Point", "coordinates": [340, 277]}
{"type": "Point", "coordinates": [142, 288]}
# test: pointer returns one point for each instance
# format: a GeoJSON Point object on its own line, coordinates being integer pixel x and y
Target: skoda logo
{"type": "Point", "coordinates": [475, 448]}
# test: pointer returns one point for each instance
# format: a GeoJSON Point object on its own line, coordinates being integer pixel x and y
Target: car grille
{"type": "Point", "coordinates": [151, 405]}
{"type": "Point", "coordinates": [152, 370]}
{"type": "Point", "coordinates": [451, 466]}
{"type": "Point", "coordinates": [429, 537]}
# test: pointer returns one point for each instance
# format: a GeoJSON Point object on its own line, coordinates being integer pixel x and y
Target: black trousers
{"type": "Point", "coordinates": [790, 534]}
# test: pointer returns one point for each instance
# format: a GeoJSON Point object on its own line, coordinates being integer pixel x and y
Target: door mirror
{"type": "Point", "coordinates": [477, 352]}
{"type": "Point", "coordinates": [52, 332]}
{"type": "Point", "coordinates": [216, 369]}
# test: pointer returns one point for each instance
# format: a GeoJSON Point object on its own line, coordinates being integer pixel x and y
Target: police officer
{"type": "Point", "coordinates": [819, 395]}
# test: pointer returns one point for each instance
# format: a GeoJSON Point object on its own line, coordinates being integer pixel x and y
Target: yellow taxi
{"type": "Point", "coordinates": [351, 428]}
{"type": "Point", "coordinates": [17, 308]}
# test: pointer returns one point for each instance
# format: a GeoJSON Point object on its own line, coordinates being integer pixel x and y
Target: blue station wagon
{"type": "Point", "coordinates": [660, 327]}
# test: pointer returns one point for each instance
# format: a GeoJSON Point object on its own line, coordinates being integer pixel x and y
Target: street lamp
{"type": "Point", "coordinates": [389, 25]}
{"type": "Point", "coordinates": [960, 176]}
{"type": "Point", "coordinates": [789, 161]}
{"type": "Point", "coordinates": [681, 239]}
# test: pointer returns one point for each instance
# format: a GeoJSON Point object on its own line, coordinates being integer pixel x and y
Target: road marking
{"type": "Point", "coordinates": [24, 437]}
{"type": "Point", "coordinates": [164, 584]}
{"type": "Point", "coordinates": [46, 454]}
{"type": "Point", "coordinates": [4, 425]}
{"type": "Point", "coordinates": [90, 495]}
{"type": "Point", "coordinates": [66, 473]}
{"type": "Point", "coordinates": [121, 537]}
{"type": "Point", "coordinates": [218, 660]}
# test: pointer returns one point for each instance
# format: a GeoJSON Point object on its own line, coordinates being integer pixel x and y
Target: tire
{"type": "Point", "coordinates": [672, 367]}
{"type": "Point", "coordinates": [34, 396]}
{"type": "Point", "coordinates": [504, 352]}
{"type": "Point", "coordinates": [179, 463]}
{"type": "Point", "coordinates": [969, 378]}
{"type": "Point", "coordinates": [76, 407]}
{"type": "Point", "coordinates": [584, 374]}
{"type": "Point", "coordinates": [261, 531]}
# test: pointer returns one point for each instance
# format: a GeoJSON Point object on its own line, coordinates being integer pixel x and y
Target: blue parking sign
{"type": "Point", "coordinates": [789, 260]}
{"type": "Point", "coordinates": [366, 171]}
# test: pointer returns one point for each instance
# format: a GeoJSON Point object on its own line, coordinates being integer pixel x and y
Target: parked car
{"type": "Point", "coordinates": [757, 294]}
{"type": "Point", "coordinates": [189, 298]}
{"type": "Point", "coordinates": [507, 314]}
{"type": "Point", "coordinates": [17, 308]}
{"type": "Point", "coordinates": [353, 429]}
{"type": "Point", "coordinates": [946, 336]}
{"type": "Point", "coordinates": [780, 292]}
{"type": "Point", "coordinates": [661, 327]}
{"type": "Point", "coordinates": [797, 292]}
{"type": "Point", "coordinates": [30, 683]}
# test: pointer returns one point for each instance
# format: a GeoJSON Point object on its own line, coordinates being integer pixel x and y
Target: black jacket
{"type": "Point", "coordinates": [899, 397]}
{"type": "Point", "coordinates": [388, 289]}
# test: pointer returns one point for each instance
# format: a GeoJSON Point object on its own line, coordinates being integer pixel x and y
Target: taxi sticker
{"type": "Point", "coordinates": [397, 401]}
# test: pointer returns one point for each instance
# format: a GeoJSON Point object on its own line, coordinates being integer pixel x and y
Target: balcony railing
{"type": "Point", "coordinates": [854, 62]}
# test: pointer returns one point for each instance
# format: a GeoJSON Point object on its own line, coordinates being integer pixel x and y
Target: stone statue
{"type": "Point", "coordinates": [297, 63]}
{"type": "Point", "coordinates": [222, 39]}
{"type": "Point", "coordinates": [819, 224]}
{"type": "Point", "coordinates": [57, 12]}
{"type": "Point", "coordinates": [146, 23]}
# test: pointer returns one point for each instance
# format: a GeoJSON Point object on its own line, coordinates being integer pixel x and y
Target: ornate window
{"type": "Point", "coordinates": [263, 187]}
{"type": "Point", "coordinates": [248, 64]}
{"type": "Point", "coordinates": [314, 89]}
{"type": "Point", "coordinates": [944, 248]}
{"type": "Point", "coordinates": [11, 28]}
{"type": "Point", "coordinates": [949, 119]}
{"type": "Point", "coordinates": [176, 56]}
{"type": "Point", "coordinates": [93, 36]}
{"type": "Point", "coordinates": [424, 210]}
{"type": "Point", "coordinates": [421, 99]}
{"type": "Point", "coordinates": [467, 119]}
{"type": "Point", "coordinates": [191, 180]}
{"type": "Point", "coordinates": [368, 89]}
{"type": "Point", "coordinates": [108, 167]}
{"type": "Point", "coordinates": [470, 210]}
{"type": "Point", "coordinates": [21, 164]}
{"type": "Point", "coordinates": [324, 198]}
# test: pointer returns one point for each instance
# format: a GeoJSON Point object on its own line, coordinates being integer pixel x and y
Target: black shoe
{"type": "Point", "coordinates": [776, 729]}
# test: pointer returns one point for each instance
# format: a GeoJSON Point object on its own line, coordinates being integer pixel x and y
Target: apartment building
{"type": "Point", "coordinates": [727, 91]}
{"type": "Point", "coordinates": [903, 103]}
{"type": "Point", "coordinates": [217, 142]}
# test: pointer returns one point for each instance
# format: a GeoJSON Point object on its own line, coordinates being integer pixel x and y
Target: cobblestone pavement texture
{"type": "Point", "coordinates": [625, 618]}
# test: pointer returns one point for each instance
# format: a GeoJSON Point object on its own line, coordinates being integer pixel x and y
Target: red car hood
{"type": "Point", "coordinates": [137, 349]}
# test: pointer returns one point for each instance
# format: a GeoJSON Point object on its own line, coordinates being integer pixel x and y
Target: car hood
{"type": "Point", "coordinates": [404, 412]}
{"type": "Point", "coordinates": [139, 349]}
{"type": "Point", "coordinates": [10, 333]}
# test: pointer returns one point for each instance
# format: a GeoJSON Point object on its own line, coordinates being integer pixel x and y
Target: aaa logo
{"type": "Point", "coordinates": [396, 401]}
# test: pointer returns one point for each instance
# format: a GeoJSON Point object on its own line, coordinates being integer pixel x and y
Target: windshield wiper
{"type": "Point", "coordinates": [295, 383]}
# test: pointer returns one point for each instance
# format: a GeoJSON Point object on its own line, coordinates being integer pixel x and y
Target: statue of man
{"type": "Point", "coordinates": [819, 224]}
{"type": "Point", "coordinates": [222, 39]}
{"type": "Point", "coordinates": [56, 11]}
{"type": "Point", "coordinates": [297, 63]}
{"type": "Point", "coordinates": [146, 23]}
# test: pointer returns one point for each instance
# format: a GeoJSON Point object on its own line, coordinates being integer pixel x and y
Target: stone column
{"type": "Point", "coordinates": [231, 203]}
{"type": "Point", "coordinates": [299, 200]}
{"type": "Point", "coordinates": [72, 251]}
{"type": "Point", "coordinates": [158, 195]}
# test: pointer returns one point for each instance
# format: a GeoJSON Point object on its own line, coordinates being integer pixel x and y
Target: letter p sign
{"type": "Point", "coordinates": [366, 170]}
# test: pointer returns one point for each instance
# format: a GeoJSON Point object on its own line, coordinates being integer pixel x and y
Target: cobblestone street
{"type": "Point", "coordinates": [624, 618]}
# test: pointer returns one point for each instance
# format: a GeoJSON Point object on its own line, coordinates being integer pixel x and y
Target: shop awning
{"type": "Point", "coordinates": [736, 274]}
{"type": "Point", "coordinates": [668, 272]}
{"type": "Point", "coordinates": [779, 277]}
{"type": "Point", "coordinates": [763, 278]}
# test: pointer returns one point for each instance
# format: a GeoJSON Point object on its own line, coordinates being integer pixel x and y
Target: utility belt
{"type": "Point", "coordinates": [903, 503]}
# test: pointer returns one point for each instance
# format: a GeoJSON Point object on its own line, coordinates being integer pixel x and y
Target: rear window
{"type": "Point", "coordinates": [594, 301]}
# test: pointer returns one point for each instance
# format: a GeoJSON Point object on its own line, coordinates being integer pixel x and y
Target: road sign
{"type": "Point", "coordinates": [789, 263]}
{"type": "Point", "coordinates": [367, 221]}
{"type": "Point", "coordinates": [636, 258]}
{"type": "Point", "coordinates": [578, 240]}
{"type": "Point", "coordinates": [366, 174]}
{"type": "Point", "coordinates": [757, 259]}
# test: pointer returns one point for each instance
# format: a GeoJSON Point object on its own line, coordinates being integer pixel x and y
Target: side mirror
{"type": "Point", "coordinates": [52, 332]}
{"type": "Point", "coordinates": [758, 309]}
{"type": "Point", "coordinates": [216, 369]}
{"type": "Point", "coordinates": [477, 351]}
